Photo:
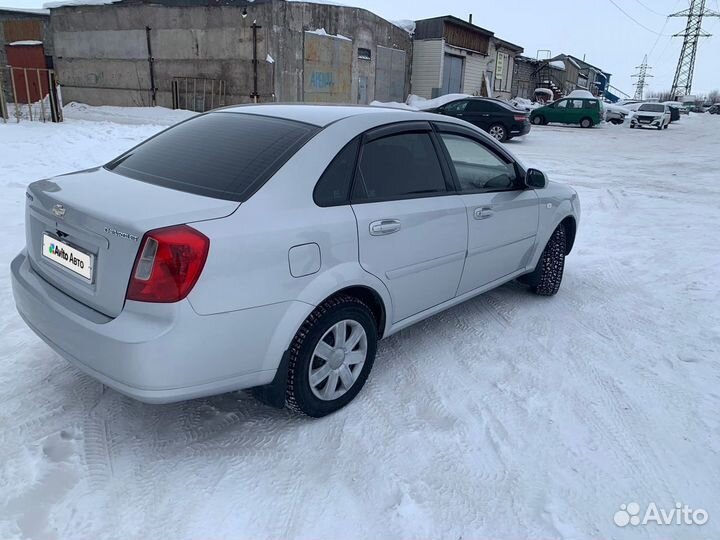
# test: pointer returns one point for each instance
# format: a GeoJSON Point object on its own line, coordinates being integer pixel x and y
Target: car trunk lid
{"type": "Point", "coordinates": [102, 217]}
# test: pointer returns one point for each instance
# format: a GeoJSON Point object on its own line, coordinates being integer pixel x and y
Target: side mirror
{"type": "Point", "coordinates": [535, 179]}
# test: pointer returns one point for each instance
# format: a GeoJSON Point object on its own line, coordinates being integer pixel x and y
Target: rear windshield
{"type": "Point", "coordinates": [652, 108]}
{"type": "Point", "coordinates": [223, 155]}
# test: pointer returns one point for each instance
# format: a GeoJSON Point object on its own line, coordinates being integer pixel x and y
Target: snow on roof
{"type": "Point", "coordinates": [322, 32]}
{"type": "Point", "coordinates": [586, 94]}
{"type": "Point", "coordinates": [26, 10]}
{"type": "Point", "coordinates": [62, 3]}
{"type": "Point", "coordinates": [546, 91]}
{"type": "Point", "coordinates": [26, 42]}
{"type": "Point", "coordinates": [557, 64]}
{"type": "Point", "coordinates": [406, 24]}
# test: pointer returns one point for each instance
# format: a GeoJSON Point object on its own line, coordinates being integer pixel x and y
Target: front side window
{"type": "Point", "coordinates": [561, 104]}
{"type": "Point", "coordinates": [477, 168]}
{"type": "Point", "coordinates": [398, 167]}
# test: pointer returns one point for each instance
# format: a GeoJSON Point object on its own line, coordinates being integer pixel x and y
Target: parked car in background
{"type": "Point", "coordinates": [655, 115]}
{"type": "Point", "coordinates": [615, 114]}
{"type": "Point", "coordinates": [272, 246]}
{"type": "Point", "coordinates": [498, 118]}
{"type": "Point", "coordinates": [715, 109]}
{"type": "Point", "coordinates": [681, 108]}
{"type": "Point", "coordinates": [586, 112]}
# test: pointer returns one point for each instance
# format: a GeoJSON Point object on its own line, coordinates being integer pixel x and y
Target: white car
{"type": "Point", "coordinates": [271, 247]}
{"type": "Point", "coordinates": [655, 115]}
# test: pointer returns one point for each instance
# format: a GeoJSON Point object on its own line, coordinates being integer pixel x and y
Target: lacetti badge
{"type": "Point", "coordinates": [68, 257]}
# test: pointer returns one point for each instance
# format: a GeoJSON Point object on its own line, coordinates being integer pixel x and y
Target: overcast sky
{"type": "Point", "coordinates": [596, 29]}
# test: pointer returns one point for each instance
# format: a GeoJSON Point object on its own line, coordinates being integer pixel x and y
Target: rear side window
{"type": "Point", "coordinates": [221, 155]}
{"type": "Point", "coordinates": [333, 188]}
{"type": "Point", "coordinates": [591, 104]}
{"type": "Point", "coordinates": [481, 106]}
{"type": "Point", "coordinates": [398, 167]}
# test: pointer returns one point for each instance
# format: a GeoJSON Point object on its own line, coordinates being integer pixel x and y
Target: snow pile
{"type": "Point", "coordinates": [423, 104]}
{"type": "Point", "coordinates": [524, 417]}
{"type": "Point", "coordinates": [545, 91]}
{"type": "Point", "coordinates": [524, 104]}
{"type": "Point", "coordinates": [322, 32]}
{"type": "Point", "coordinates": [125, 115]}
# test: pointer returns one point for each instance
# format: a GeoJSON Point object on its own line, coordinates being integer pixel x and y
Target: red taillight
{"type": "Point", "coordinates": [168, 264]}
{"type": "Point", "coordinates": [520, 117]}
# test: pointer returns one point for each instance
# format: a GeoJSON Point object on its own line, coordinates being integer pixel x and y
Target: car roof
{"type": "Point", "coordinates": [320, 115]}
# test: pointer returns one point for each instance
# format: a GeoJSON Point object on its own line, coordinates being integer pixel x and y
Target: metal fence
{"type": "Point", "coordinates": [197, 95]}
{"type": "Point", "coordinates": [33, 95]}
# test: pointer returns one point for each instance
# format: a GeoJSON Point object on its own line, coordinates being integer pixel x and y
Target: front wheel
{"type": "Point", "coordinates": [545, 280]}
{"type": "Point", "coordinates": [331, 356]}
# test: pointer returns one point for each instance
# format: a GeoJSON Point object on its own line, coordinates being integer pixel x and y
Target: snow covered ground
{"type": "Point", "coordinates": [510, 416]}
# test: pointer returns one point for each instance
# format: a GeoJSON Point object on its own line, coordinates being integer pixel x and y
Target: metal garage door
{"type": "Point", "coordinates": [452, 74]}
{"type": "Point", "coordinates": [390, 74]}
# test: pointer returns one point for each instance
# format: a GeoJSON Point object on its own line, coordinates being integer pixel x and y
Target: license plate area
{"type": "Point", "coordinates": [68, 257]}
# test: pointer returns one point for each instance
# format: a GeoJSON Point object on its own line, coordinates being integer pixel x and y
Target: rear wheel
{"type": "Point", "coordinates": [498, 132]}
{"type": "Point", "coordinates": [545, 280]}
{"type": "Point", "coordinates": [586, 123]}
{"type": "Point", "coordinates": [331, 356]}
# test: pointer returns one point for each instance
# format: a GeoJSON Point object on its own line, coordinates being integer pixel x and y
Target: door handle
{"type": "Point", "coordinates": [482, 213]}
{"type": "Point", "coordinates": [384, 226]}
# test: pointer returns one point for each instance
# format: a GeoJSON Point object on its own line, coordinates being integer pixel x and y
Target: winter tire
{"type": "Point", "coordinates": [331, 356]}
{"type": "Point", "coordinates": [586, 123]}
{"type": "Point", "coordinates": [538, 120]}
{"type": "Point", "coordinates": [498, 132]}
{"type": "Point", "coordinates": [546, 278]}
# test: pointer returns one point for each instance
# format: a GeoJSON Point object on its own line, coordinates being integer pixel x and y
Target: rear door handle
{"type": "Point", "coordinates": [384, 226]}
{"type": "Point", "coordinates": [483, 213]}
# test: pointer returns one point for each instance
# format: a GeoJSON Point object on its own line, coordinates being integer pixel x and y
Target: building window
{"type": "Point", "coordinates": [364, 54]}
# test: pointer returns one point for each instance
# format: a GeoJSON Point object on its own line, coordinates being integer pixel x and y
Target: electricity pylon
{"type": "Point", "coordinates": [641, 76]}
{"type": "Point", "coordinates": [682, 83]}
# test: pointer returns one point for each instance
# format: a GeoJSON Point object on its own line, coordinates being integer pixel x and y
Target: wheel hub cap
{"type": "Point", "coordinates": [338, 360]}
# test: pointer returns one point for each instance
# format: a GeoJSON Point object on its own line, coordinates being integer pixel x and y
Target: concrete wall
{"type": "Point", "coordinates": [427, 66]}
{"type": "Point", "coordinates": [102, 58]}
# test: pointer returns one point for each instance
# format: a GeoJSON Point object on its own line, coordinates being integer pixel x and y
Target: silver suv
{"type": "Point", "coordinates": [270, 247]}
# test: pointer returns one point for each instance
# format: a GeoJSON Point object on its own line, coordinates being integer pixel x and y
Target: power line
{"type": "Point", "coordinates": [652, 10]}
{"type": "Point", "coordinates": [641, 25]}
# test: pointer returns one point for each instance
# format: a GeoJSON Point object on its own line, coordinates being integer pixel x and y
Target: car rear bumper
{"type": "Point", "coordinates": [518, 130]}
{"type": "Point", "coordinates": [157, 353]}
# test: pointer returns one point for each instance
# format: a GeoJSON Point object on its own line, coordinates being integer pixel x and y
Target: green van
{"type": "Point", "coordinates": [584, 111]}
